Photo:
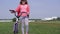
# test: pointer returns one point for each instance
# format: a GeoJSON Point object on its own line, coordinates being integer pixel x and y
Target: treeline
{"type": "Point", "coordinates": [57, 19]}
{"type": "Point", "coordinates": [36, 20]}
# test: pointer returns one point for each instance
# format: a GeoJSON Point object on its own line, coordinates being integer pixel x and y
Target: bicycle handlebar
{"type": "Point", "coordinates": [15, 13]}
{"type": "Point", "coordinates": [12, 11]}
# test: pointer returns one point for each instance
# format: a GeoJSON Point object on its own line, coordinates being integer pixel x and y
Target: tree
{"type": "Point", "coordinates": [58, 18]}
{"type": "Point", "coordinates": [14, 19]}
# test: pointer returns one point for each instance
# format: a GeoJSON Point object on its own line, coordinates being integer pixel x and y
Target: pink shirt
{"type": "Point", "coordinates": [23, 8]}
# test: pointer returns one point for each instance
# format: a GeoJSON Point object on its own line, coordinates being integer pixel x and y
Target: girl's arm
{"type": "Point", "coordinates": [28, 10]}
{"type": "Point", "coordinates": [18, 10]}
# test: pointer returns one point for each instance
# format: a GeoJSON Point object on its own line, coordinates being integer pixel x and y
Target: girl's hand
{"type": "Point", "coordinates": [28, 16]}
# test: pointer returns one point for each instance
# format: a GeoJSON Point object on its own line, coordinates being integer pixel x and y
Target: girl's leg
{"type": "Point", "coordinates": [22, 25]}
{"type": "Point", "coordinates": [26, 24]}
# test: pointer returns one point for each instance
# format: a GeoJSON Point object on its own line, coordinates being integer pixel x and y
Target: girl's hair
{"type": "Point", "coordinates": [23, 1]}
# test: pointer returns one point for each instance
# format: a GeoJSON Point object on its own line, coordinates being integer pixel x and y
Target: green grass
{"type": "Point", "coordinates": [42, 27]}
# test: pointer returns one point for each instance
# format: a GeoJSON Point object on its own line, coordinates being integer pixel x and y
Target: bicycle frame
{"type": "Point", "coordinates": [16, 23]}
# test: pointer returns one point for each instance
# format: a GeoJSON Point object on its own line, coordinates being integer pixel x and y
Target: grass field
{"type": "Point", "coordinates": [42, 27]}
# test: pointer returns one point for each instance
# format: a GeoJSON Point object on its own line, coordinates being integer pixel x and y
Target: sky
{"type": "Point", "coordinates": [38, 8]}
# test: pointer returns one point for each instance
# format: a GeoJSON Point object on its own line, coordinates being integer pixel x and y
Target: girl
{"type": "Point", "coordinates": [23, 12]}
